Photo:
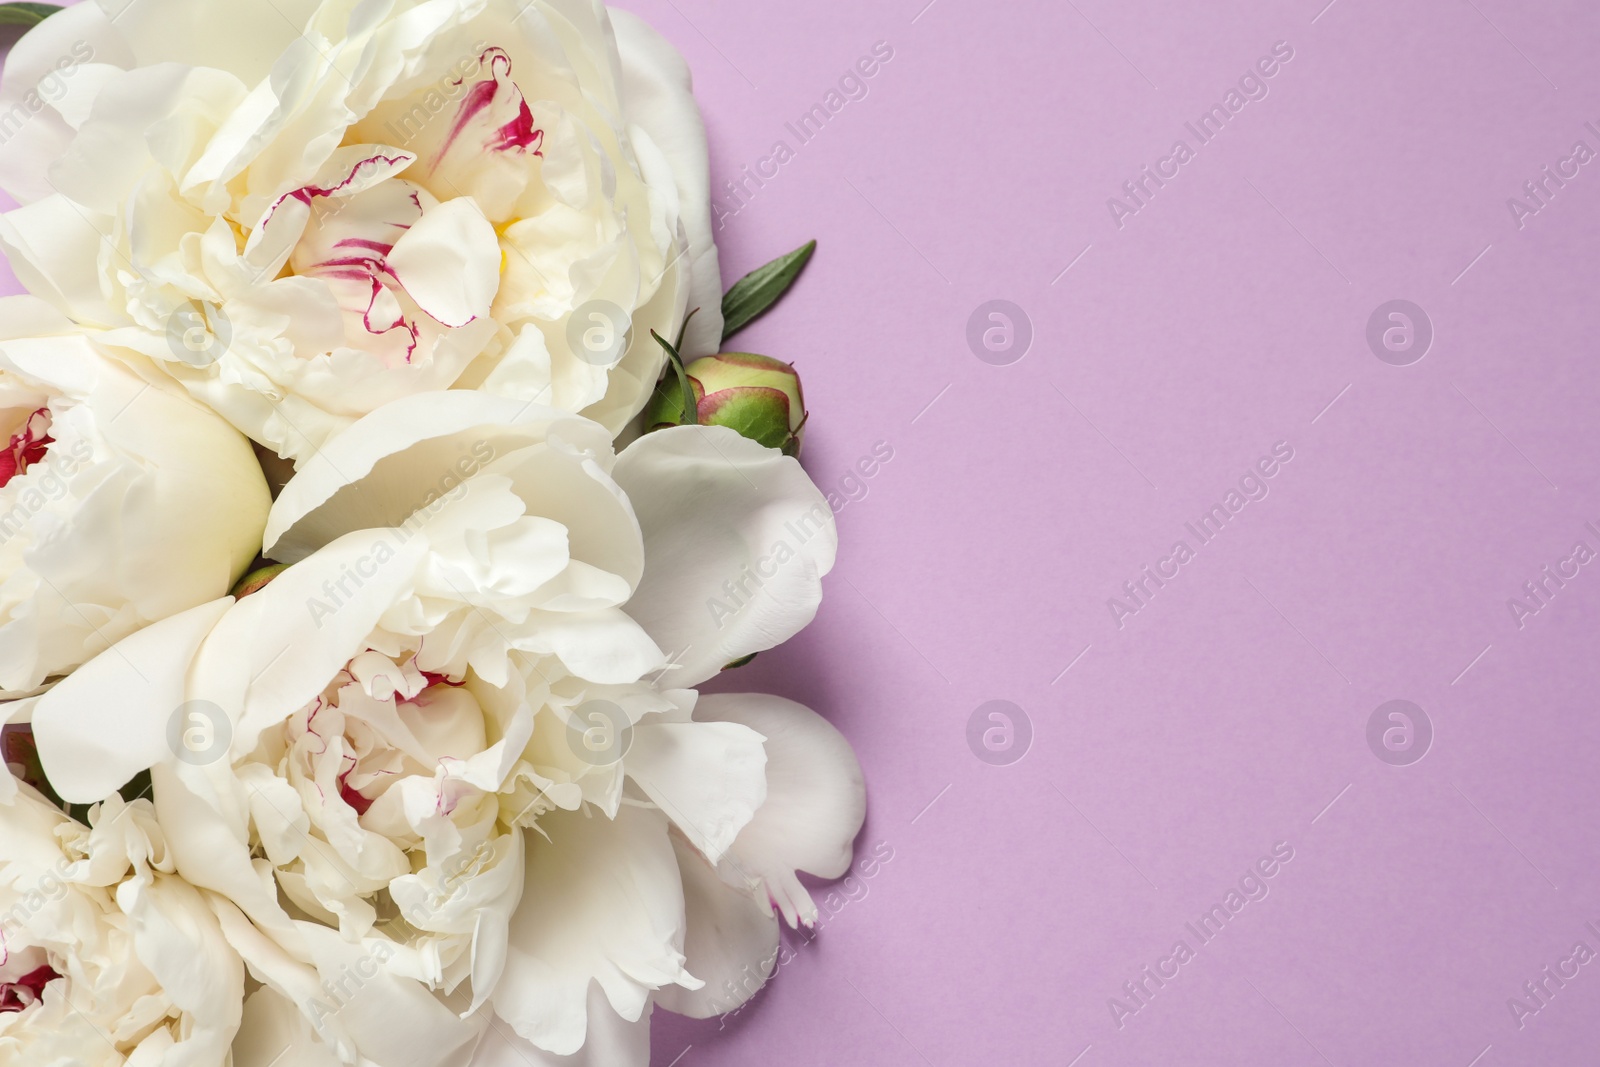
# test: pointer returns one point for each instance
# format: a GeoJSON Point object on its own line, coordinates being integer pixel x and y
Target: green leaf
{"type": "Point", "coordinates": [25, 14]}
{"type": "Point", "coordinates": [757, 291]}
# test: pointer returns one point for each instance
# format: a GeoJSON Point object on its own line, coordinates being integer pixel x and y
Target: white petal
{"type": "Point", "coordinates": [737, 540]}
{"type": "Point", "coordinates": [658, 96]}
{"type": "Point", "coordinates": [203, 814]}
{"type": "Point", "coordinates": [731, 945]}
{"type": "Point", "coordinates": [411, 452]}
{"type": "Point", "coordinates": [276, 1034]}
{"type": "Point", "coordinates": [708, 777]}
{"type": "Point", "coordinates": [53, 249]}
{"type": "Point", "coordinates": [76, 33]}
{"type": "Point", "coordinates": [449, 262]}
{"type": "Point", "coordinates": [275, 650]}
{"type": "Point", "coordinates": [107, 721]}
{"type": "Point", "coordinates": [392, 1020]}
{"type": "Point", "coordinates": [603, 903]}
{"type": "Point", "coordinates": [816, 799]}
{"type": "Point", "coordinates": [612, 1042]}
{"type": "Point", "coordinates": [244, 36]}
{"type": "Point", "coordinates": [177, 938]}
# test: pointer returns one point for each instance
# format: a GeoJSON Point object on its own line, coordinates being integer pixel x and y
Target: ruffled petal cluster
{"type": "Point", "coordinates": [358, 299]}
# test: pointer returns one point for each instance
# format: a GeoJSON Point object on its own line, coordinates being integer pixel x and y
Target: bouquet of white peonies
{"type": "Point", "coordinates": [373, 498]}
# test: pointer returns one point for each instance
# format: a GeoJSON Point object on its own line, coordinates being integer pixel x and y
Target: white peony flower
{"type": "Point", "coordinates": [304, 212]}
{"type": "Point", "coordinates": [446, 740]}
{"type": "Point", "coordinates": [120, 502]}
{"type": "Point", "coordinates": [106, 956]}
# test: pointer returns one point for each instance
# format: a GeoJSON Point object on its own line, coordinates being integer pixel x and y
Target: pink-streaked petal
{"type": "Point", "coordinates": [449, 262]}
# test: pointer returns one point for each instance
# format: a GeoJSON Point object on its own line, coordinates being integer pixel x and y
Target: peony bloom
{"type": "Point", "coordinates": [457, 772]}
{"type": "Point", "coordinates": [120, 502]}
{"type": "Point", "coordinates": [301, 214]}
{"type": "Point", "coordinates": [106, 956]}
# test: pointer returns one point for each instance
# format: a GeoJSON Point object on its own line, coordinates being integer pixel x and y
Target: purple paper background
{"type": "Point", "coordinates": [1230, 714]}
{"type": "Point", "coordinates": [1226, 716]}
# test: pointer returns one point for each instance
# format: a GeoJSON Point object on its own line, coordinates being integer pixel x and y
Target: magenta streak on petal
{"type": "Point", "coordinates": [312, 729]}
{"type": "Point", "coordinates": [350, 796]}
{"type": "Point", "coordinates": [27, 447]}
{"type": "Point", "coordinates": [368, 268]}
{"type": "Point", "coordinates": [518, 134]}
{"type": "Point", "coordinates": [306, 193]}
{"type": "Point", "coordinates": [398, 324]}
{"type": "Point", "coordinates": [361, 242]}
{"type": "Point", "coordinates": [478, 98]}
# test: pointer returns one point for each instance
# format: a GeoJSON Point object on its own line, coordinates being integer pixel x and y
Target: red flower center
{"type": "Point", "coordinates": [27, 447]}
{"type": "Point", "coordinates": [25, 991]}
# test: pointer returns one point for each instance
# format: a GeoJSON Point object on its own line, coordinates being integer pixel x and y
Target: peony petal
{"type": "Point", "coordinates": [285, 642]}
{"type": "Point", "coordinates": [658, 96]}
{"type": "Point", "coordinates": [53, 248]}
{"type": "Point", "coordinates": [390, 1019]}
{"type": "Point", "coordinates": [612, 1042]}
{"type": "Point", "coordinates": [708, 777]}
{"type": "Point", "coordinates": [177, 938]}
{"type": "Point", "coordinates": [34, 141]}
{"type": "Point", "coordinates": [816, 800]}
{"type": "Point", "coordinates": [449, 262]}
{"type": "Point", "coordinates": [603, 903]}
{"type": "Point", "coordinates": [276, 1034]}
{"type": "Point", "coordinates": [731, 944]}
{"type": "Point", "coordinates": [244, 36]}
{"type": "Point", "coordinates": [408, 454]}
{"type": "Point", "coordinates": [737, 540]}
{"type": "Point", "coordinates": [108, 720]}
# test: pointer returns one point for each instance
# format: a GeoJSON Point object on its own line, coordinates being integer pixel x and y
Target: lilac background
{"type": "Point", "coordinates": [1230, 714]}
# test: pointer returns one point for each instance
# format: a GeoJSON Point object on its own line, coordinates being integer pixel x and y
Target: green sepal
{"type": "Point", "coordinates": [752, 411]}
{"type": "Point", "coordinates": [26, 14]}
{"type": "Point", "coordinates": [687, 414]}
{"type": "Point", "coordinates": [257, 579]}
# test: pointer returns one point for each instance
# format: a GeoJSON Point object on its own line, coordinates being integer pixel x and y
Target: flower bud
{"type": "Point", "coordinates": [755, 395]}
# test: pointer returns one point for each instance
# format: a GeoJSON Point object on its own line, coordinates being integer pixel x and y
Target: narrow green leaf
{"type": "Point", "coordinates": [25, 14]}
{"type": "Point", "coordinates": [684, 329]}
{"type": "Point", "coordinates": [691, 416]}
{"type": "Point", "coordinates": [757, 291]}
